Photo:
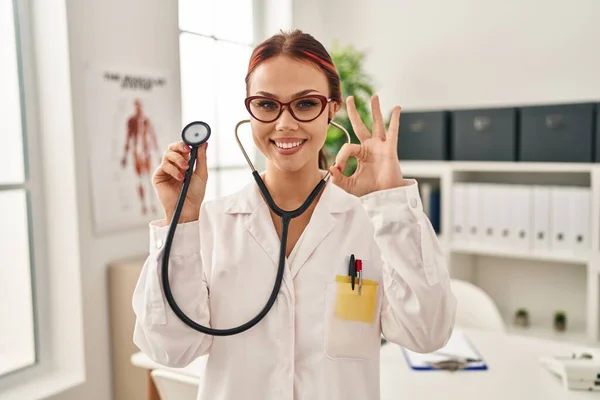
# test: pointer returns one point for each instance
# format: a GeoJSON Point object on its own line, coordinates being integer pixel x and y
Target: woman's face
{"type": "Point", "coordinates": [286, 142]}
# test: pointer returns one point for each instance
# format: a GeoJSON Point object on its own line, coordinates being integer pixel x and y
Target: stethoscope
{"type": "Point", "coordinates": [194, 135]}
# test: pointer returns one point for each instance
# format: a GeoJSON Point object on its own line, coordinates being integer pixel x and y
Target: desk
{"type": "Point", "coordinates": [195, 369]}
{"type": "Point", "coordinates": [514, 372]}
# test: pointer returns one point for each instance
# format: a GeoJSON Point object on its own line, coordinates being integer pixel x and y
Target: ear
{"type": "Point", "coordinates": [333, 108]}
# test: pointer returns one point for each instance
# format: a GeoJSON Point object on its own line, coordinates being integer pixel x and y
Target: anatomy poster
{"type": "Point", "coordinates": [132, 116]}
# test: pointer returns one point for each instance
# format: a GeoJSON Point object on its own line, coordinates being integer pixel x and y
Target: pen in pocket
{"type": "Point", "coordinates": [352, 270]}
{"type": "Point", "coordinates": [359, 271]}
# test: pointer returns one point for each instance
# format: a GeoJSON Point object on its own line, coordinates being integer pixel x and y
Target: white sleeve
{"type": "Point", "coordinates": [418, 306]}
{"type": "Point", "coordinates": [158, 332]}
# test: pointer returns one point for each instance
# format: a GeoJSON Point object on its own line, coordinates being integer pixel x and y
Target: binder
{"type": "Point", "coordinates": [541, 218]}
{"type": "Point", "coordinates": [504, 226]}
{"type": "Point", "coordinates": [430, 196]}
{"type": "Point", "coordinates": [459, 215]}
{"type": "Point", "coordinates": [560, 215]}
{"type": "Point", "coordinates": [436, 204]}
{"type": "Point", "coordinates": [489, 223]}
{"type": "Point", "coordinates": [473, 203]}
{"type": "Point", "coordinates": [520, 203]}
{"type": "Point", "coordinates": [459, 346]}
{"type": "Point", "coordinates": [579, 209]}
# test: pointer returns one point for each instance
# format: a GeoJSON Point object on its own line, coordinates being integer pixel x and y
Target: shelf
{"type": "Point", "coordinates": [575, 335]}
{"type": "Point", "coordinates": [436, 168]}
{"type": "Point", "coordinates": [521, 167]}
{"type": "Point", "coordinates": [421, 169]}
{"type": "Point", "coordinates": [573, 276]}
{"type": "Point", "coordinates": [536, 255]}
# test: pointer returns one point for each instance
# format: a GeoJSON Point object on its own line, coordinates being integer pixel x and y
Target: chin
{"type": "Point", "coordinates": [288, 165]}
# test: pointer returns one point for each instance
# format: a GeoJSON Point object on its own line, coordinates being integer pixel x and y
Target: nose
{"type": "Point", "coordinates": [286, 122]}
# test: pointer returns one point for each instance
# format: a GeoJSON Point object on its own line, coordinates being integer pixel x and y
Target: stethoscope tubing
{"type": "Point", "coordinates": [285, 215]}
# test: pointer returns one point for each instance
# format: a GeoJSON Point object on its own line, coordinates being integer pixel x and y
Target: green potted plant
{"type": "Point", "coordinates": [522, 317]}
{"type": "Point", "coordinates": [354, 82]}
{"type": "Point", "coordinates": [560, 321]}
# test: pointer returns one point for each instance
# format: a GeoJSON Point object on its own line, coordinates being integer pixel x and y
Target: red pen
{"type": "Point", "coordinates": [359, 271]}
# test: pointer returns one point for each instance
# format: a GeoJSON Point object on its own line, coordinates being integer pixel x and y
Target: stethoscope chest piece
{"type": "Point", "coordinates": [195, 133]}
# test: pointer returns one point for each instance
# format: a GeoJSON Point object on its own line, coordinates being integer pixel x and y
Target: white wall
{"type": "Point", "coordinates": [440, 54]}
{"type": "Point", "coordinates": [133, 33]}
{"type": "Point", "coordinates": [447, 54]}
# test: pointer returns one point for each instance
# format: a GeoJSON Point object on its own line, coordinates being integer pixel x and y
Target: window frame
{"type": "Point", "coordinates": [50, 373]}
{"type": "Point", "coordinates": [32, 185]}
{"type": "Point", "coordinates": [257, 32]}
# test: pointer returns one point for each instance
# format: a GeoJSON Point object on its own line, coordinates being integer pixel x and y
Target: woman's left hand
{"type": "Point", "coordinates": [377, 154]}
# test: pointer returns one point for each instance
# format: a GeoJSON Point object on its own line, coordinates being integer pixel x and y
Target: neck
{"type": "Point", "coordinates": [290, 189]}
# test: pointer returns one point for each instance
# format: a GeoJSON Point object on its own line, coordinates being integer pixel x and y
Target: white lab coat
{"type": "Point", "coordinates": [222, 271]}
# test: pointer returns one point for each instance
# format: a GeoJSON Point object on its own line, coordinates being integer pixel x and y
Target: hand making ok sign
{"type": "Point", "coordinates": [377, 154]}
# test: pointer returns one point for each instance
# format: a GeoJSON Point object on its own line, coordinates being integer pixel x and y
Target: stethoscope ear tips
{"type": "Point", "coordinates": [195, 133]}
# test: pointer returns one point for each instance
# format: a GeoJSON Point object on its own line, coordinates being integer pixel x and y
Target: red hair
{"type": "Point", "coordinates": [304, 47]}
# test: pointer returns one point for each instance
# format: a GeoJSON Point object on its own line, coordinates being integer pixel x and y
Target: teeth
{"type": "Point", "coordinates": [288, 145]}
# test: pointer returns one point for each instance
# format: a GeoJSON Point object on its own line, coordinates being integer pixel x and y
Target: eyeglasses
{"type": "Point", "coordinates": [303, 109]}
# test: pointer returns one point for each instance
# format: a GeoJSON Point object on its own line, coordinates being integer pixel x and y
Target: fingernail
{"type": "Point", "coordinates": [339, 167]}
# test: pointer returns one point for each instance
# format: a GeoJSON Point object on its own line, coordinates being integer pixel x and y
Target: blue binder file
{"type": "Point", "coordinates": [459, 347]}
{"type": "Point", "coordinates": [435, 210]}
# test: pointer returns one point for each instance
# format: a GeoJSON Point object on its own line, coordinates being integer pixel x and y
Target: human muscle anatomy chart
{"type": "Point", "coordinates": [131, 116]}
{"type": "Point", "coordinates": [141, 147]}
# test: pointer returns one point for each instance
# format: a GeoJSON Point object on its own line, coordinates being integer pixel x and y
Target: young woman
{"type": "Point", "coordinates": [321, 339]}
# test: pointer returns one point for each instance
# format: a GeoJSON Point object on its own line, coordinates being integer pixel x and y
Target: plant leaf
{"type": "Point", "coordinates": [355, 81]}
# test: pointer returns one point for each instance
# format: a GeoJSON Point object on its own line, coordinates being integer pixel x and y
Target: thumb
{"type": "Point", "coordinates": [201, 169]}
{"type": "Point", "coordinates": [337, 177]}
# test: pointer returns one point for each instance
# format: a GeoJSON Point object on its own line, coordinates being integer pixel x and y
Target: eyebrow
{"type": "Point", "coordinates": [298, 94]}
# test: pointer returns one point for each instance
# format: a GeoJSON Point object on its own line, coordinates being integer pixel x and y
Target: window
{"type": "Point", "coordinates": [216, 40]}
{"type": "Point", "coordinates": [17, 327]}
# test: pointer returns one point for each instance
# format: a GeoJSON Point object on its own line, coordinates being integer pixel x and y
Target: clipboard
{"type": "Point", "coordinates": [458, 347]}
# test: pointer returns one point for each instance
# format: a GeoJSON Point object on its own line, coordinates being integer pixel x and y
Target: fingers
{"type": "Point", "coordinates": [179, 147]}
{"type": "Point", "coordinates": [361, 131]}
{"type": "Point", "coordinates": [174, 162]}
{"type": "Point", "coordinates": [347, 151]}
{"type": "Point", "coordinates": [177, 159]}
{"type": "Point", "coordinates": [201, 169]}
{"type": "Point", "coordinates": [168, 169]}
{"type": "Point", "coordinates": [378, 122]}
{"type": "Point", "coordinates": [394, 128]}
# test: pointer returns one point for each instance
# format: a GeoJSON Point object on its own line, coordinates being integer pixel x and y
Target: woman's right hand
{"type": "Point", "coordinates": [168, 180]}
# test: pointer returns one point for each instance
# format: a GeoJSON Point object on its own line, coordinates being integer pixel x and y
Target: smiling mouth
{"type": "Point", "coordinates": [288, 145]}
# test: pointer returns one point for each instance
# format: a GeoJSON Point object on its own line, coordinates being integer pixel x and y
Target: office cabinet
{"type": "Point", "coordinates": [484, 135]}
{"type": "Point", "coordinates": [423, 136]}
{"type": "Point", "coordinates": [557, 133]}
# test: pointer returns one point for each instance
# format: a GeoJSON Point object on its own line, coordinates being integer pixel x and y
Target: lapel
{"type": "Point", "coordinates": [333, 201]}
{"type": "Point", "coordinates": [258, 223]}
{"type": "Point", "coordinates": [250, 203]}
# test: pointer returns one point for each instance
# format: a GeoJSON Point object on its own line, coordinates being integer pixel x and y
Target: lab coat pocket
{"type": "Point", "coordinates": [351, 327]}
